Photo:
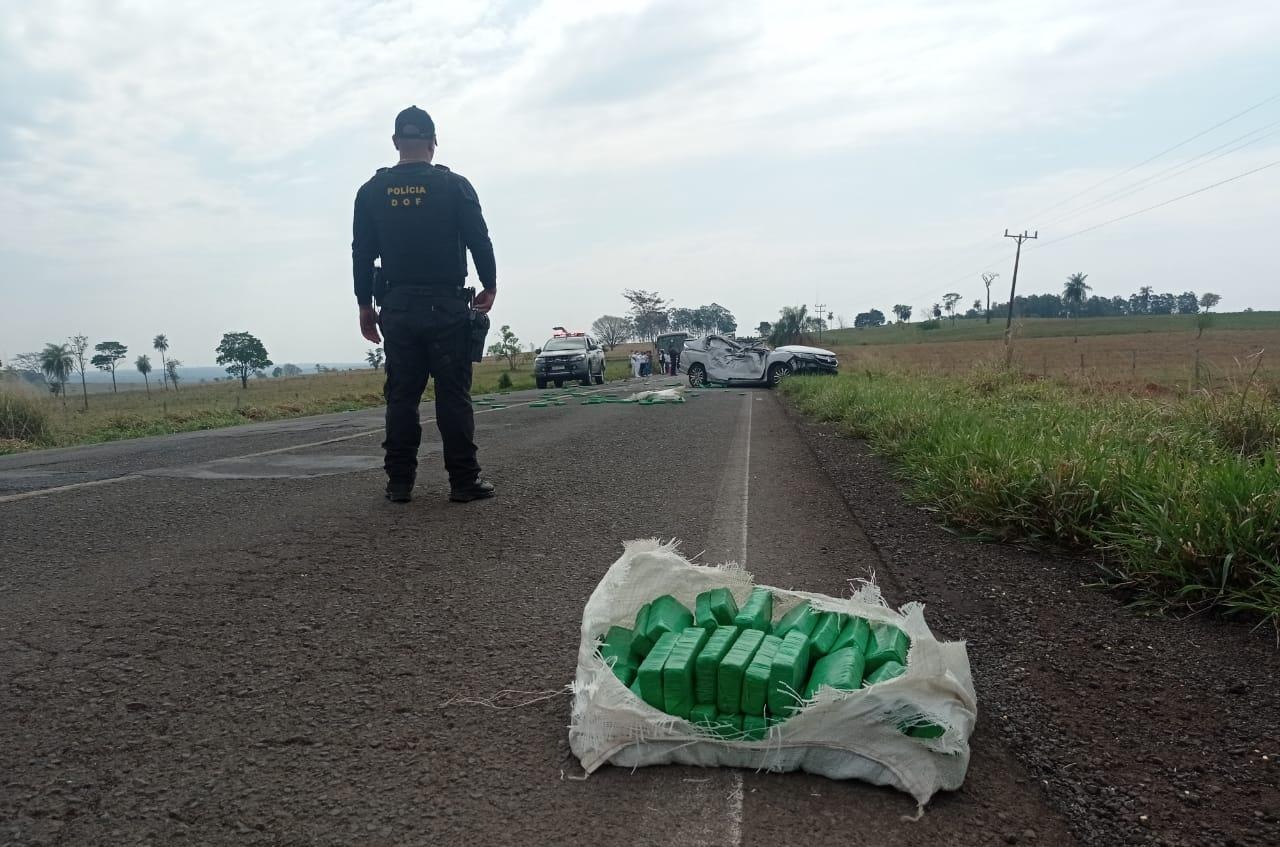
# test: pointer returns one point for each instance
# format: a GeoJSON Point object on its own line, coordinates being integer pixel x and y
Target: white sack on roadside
{"type": "Point", "coordinates": [838, 734]}
{"type": "Point", "coordinates": [664, 394]}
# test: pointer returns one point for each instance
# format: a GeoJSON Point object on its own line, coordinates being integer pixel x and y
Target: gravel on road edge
{"type": "Point", "coordinates": [1141, 730]}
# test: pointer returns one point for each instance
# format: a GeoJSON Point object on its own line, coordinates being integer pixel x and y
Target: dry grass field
{"type": "Point", "coordinates": [1167, 360]}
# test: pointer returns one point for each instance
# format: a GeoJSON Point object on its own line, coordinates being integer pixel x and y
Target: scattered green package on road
{"type": "Point", "coordinates": [886, 672]}
{"type": "Point", "coordinates": [757, 612]}
{"type": "Point", "coordinates": [856, 632]}
{"type": "Point", "coordinates": [640, 642]}
{"type": "Point", "coordinates": [755, 682]}
{"type": "Point", "coordinates": [787, 673]}
{"type": "Point", "coordinates": [802, 618]}
{"type": "Point", "coordinates": [706, 669]}
{"type": "Point", "coordinates": [754, 727]}
{"type": "Point", "coordinates": [715, 608]}
{"type": "Point", "coordinates": [734, 667]}
{"type": "Point", "coordinates": [840, 669]}
{"type": "Point", "coordinates": [666, 614]}
{"type": "Point", "coordinates": [887, 644]}
{"type": "Point", "coordinates": [677, 673]}
{"type": "Point", "coordinates": [825, 632]}
{"type": "Point", "coordinates": [649, 677]}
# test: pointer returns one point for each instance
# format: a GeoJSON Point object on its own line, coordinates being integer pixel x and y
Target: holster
{"type": "Point", "coordinates": [379, 286]}
{"type": "Point", "coordinates": [478, 324]}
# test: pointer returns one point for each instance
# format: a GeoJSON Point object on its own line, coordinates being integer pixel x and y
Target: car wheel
{"type": "Point", "coordinates": [600, 376]}
{"type": "Point", "coordinates": [542, 383]}
{"type": "Point", "coordinates": [778, 371]}
{"type": "Point", "coordinates": [587, 379]}
{"type": "Point", "coordinates": [697, 376]}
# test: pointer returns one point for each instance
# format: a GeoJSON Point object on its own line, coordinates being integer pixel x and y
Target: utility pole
{"type": "Point", "coordinates": [1013, 288]}
{"type": "Point", "coordinates": [821, 310]}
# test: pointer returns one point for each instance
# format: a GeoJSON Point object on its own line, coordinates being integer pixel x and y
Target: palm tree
{"type": "Point", "coordinates": [1073, 293]}
{"type": "Point", "coordinates": [171, 369]}
{"type": "Point", "coordinates": [57, 363]}
{"type": "Point", "coordinates": [161, 344]}
{"type": "Point", "coordinates": [143, 364]}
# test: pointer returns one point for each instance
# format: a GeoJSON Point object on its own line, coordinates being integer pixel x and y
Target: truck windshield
{"type": "Point", "coordinates": [565, 344]}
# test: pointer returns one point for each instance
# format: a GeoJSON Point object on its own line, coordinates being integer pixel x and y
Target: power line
{"type": "Point", "coordinates": [1185, 166]}
{"type": "Point", "coordinates": [1159, 205]}
{"type": "Point", "coordinates": [1151, 159]}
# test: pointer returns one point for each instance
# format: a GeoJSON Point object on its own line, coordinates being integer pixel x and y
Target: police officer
{"type": "Point", "coordinates": [421, 219]}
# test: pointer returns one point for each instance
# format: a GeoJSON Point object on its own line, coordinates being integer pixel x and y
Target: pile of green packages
{"type": "Point", "coordinates": [736, 672]}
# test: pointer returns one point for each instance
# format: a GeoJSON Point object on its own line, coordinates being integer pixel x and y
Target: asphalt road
{"type": "Point", "coordinates": [230, 637]}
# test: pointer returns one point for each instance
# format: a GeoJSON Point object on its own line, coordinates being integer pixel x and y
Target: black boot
{"type": "Point", "coordinates": [478, 490]}
{"type": "Point", "coordinates": [399, 492]}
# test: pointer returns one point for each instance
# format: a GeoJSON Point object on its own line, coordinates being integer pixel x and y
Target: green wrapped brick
{"type": "Point", "coordinates": [825, 632]}
{"type": "Point", "coordinates": [714, 608]}
{"type": "Point", "coordinates": [856, 632]}
{"type": "Point", "coordinates": [754, 727]}
{"type": "Point", "coordinates": [787, 673]}
{"type": "Point", "coordinates": [640, 643]}
{"type": "Point", "coordinates": [666, 614]}
{"type": "Point", "coordinates": [729, 725]}
{"type": "Point", "coordinates": [840, 669]}
{"type": "Point", "coordinates": [801, 617]}
{"type": "Point", "coordinates": [886, 672]}
{"type": "Point", "coordinates": [706, 669]}
{"type": "Point", "coordinates": [928, 729]}
{"type": "Point", "coordinates": [734, 667]}
{"type": "Point", "coordinates": [757, 612]}
{"type": "Point", "coordinates": [887, 644]}
{"type": "Point", "coordinates": [617, 644]}
{"type": "Point", "coordinates": [626, 673]}
{"type": "Point", "coordinates": [635, 686]}
{"type": "Point", "coordinates": [649, 676]}
{"type": "Point", "coordinates": [677, 673]}
{"type": "Point", "coordinates": [703, 715]}
{"type": "Point", "coordinates": [755, 682]}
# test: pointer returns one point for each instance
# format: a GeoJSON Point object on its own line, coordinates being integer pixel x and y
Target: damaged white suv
{"type": "Point", "coordinates": [715, 358]}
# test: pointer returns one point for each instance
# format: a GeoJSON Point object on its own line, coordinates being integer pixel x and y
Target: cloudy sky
{"type": "Point", "coordinates": [189, 168]}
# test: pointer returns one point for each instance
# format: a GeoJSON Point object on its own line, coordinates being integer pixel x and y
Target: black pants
{"type": "Point", "coordinates": [427, 337]}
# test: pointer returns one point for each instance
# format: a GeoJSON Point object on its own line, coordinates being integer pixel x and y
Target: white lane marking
{"type": "Point", "coordinates": [75, 486]}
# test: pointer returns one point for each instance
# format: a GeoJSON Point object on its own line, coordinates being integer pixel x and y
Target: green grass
{"type": "Point", "coordinates": [970, 329]}
{"type": "Point", "coordinates": [39, 421]}
{"type": "Point", "coordinates": [1182, 498]}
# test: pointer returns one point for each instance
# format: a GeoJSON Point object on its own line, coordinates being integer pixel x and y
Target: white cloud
{"type": "Point", "coordinates": [214, 147]}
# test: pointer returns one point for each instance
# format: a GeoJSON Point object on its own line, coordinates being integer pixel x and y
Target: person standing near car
{"type": "Point", "coordinates": [421, 219]}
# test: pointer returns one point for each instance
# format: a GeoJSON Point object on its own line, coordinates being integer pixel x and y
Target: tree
{"type": "Point", "coordinates": [1073, 292]}
{"type": "Point", "coordinates": [242, 353]}
{"type": "Point", "coordinates": [79, 347]}
{"type": "Point", "coordinates": [902, 313]}
{"type": "Point", "coordinates": [1187, 303]}
{"type": "Point", "coordinates": [612, 330]}
{"type": "Point", "coordinates": [1204, 320]}
{"type": "Point", "coordinates": [790, 325]}
{"type": "Point", "coordinates": [936, 310]}
{"type": "Point", "coordinates": [1143, 298]}
{"type": "Point", "coordinates": [171, 371]}
{"type": "Point", "coordinates": [763, 329]}
{"type": "Point", "coordinates": [143, 364]}
{"type": "Point", "coordinates": [277, 372]}
{"type": "Point", "coordinates": [57, 362]}
{"type": "Point", "coordinates": [109, 352]}
{"type": "Point", "coordinates": [987, 279]}
{"type": "Point", "coordinates": [949, 302]}
{"type": "Point", "coordinates": [507, 346]}
{"type": "Point", "coordinates": [1208, 301]}
{"type": "Point", "coordinates": [292, 370]}
{"type": "Point", "coordinates": [648, 312]}
{"type": "Point", "coordinates": [875, 317]}
{"type": "Point", "coordinates": [161, 345]}
{"type": "Point", "coordinates": [374, 357]}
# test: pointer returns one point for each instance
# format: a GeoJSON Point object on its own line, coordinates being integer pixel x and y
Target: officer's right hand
{"type": "Point", "coordinates": [483, 301]}
{"type": "Point", "coordinates": [369, 324]}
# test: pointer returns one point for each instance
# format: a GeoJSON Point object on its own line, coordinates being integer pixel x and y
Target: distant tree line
{"type": "Point", "coordinates": [650, 314]}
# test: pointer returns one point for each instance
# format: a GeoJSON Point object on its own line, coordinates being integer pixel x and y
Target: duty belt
{"type": "Point", "coordinates": [443, 292]}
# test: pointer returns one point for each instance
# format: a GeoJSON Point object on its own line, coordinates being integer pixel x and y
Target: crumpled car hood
{"type": "Point", "coordinates": [800, 348]}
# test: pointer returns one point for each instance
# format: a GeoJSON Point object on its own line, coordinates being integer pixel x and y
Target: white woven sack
{"type": "Point", "coordinates": [837, 734]}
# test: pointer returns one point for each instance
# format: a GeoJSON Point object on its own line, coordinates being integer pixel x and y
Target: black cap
{"type": "Point", "coordinates": [415, 123]}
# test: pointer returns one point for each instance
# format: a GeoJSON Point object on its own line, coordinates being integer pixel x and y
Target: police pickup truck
{"type": "Point", "coordinates": [569, 356]}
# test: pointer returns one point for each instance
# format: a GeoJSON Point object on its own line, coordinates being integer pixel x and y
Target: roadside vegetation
{"type": "Point", "coordinates": [32, 419]}
{"type": "Point", "coordinates": [1179, 495]}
